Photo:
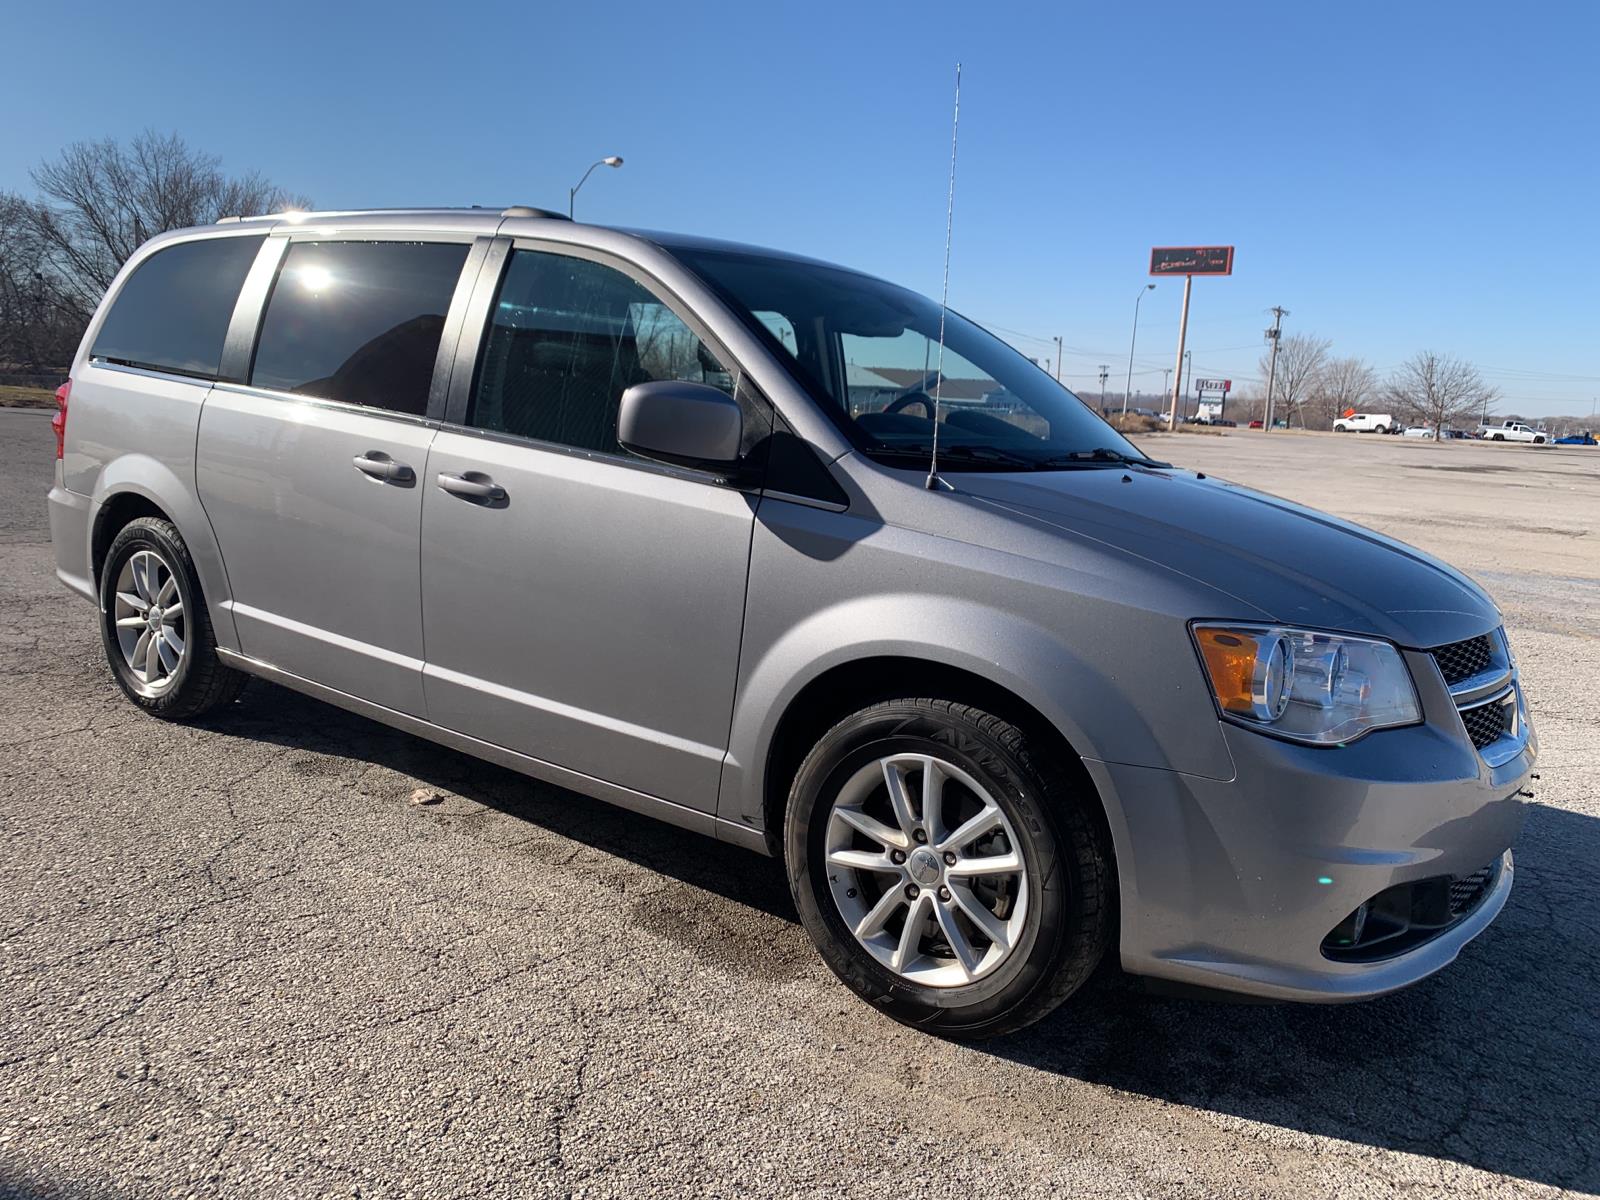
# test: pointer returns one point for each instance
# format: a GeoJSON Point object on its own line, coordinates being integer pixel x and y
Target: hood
{"type": "Point", "coordinates": [1279, 561]}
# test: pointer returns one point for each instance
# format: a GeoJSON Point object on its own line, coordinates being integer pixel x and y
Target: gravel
{"type": "Point", "coordinates": [244, 959]}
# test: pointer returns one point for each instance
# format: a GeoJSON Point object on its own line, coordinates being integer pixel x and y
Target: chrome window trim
{"type": "Point", "coordinates": [106, 364]}
{"type": "Point", "coordinates": [601, 457]}
{"type": "Point", "coordinates": [245, 389]}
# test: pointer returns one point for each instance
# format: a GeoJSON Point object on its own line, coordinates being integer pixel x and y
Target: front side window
{"type": "Point", "coordinates": [869, 354]}
{"type": "Point", "coordinates": [358, 322]}
{"type": "Point", "coordinates": [567, 338]}
{"type": "Point", "coordinates": [173, 313]}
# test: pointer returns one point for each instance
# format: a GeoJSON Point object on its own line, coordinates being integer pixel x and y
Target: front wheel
{"type": "Point", "coordinates": [1538, 441]}
{"type": "Point", "coordinates": [1341, 429]}
{"type": "Point", "coordinates": [155, 627]}
{"type": "Point", "coordinates": [949, 874]}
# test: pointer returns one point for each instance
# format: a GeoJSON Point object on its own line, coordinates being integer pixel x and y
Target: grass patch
{"type": "Point", "coordinates": [27, 397]}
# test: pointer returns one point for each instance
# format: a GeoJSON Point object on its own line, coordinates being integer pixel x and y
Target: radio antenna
{"type": "Point", "coordinates": [944, 299]}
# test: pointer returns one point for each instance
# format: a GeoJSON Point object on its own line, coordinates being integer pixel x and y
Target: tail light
{"type": "Point", "coordinates": [59, 421]}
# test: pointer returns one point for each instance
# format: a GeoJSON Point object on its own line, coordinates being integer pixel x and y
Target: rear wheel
{"type": "Point", "coordinates": [1380, 429]}
{"type": "Point", "coordinates": [949, 875]}
{"type": "Point", "coordinates": [155, 627]}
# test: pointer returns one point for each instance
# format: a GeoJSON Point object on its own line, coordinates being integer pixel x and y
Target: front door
{"type": "Point", "coordinates": [312, 473]}
{"type": "Point", "coordinates": [580, 605]}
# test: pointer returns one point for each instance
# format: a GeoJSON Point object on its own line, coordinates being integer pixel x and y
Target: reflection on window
{"type": "Point", "coordinates": [358, 321]}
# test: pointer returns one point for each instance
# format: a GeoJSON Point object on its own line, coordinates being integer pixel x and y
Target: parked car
{"type": "Point", "coordinates": [1418, 431]}
{"type": "Point", "coordinates": [1513, 431]}
{"type": "Point", "coordinates": [1256, 424]}
{"type": "Point", "coordinates": [556, 496]}
{"type": "Point", "coordinates": [1455, 435]}
{"type": "Point", "coordinates": [1577, 439]}
{"type": "Point", "coordinates": [1364, 423]}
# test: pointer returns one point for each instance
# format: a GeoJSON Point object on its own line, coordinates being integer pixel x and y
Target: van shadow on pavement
{"type": "Point", "coordinates": [1490, 1063]}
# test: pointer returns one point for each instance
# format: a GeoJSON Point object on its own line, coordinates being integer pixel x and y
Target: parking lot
{"type": "Point", "coordinates": [238, 958]}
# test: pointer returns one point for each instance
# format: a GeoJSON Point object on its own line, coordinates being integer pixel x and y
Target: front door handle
{"type": "Point", "coordinates": [380, 466]}
{"type": "Point", "coordinates": [475, 486]}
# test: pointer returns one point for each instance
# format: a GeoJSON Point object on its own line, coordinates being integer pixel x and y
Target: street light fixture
{"type": "Point", "coordinates": [610, 160]}
{"type": "Point", "coordinates": [1133, 341]}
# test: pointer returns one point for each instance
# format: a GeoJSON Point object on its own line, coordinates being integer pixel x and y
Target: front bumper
{"type": "Point", "coordinates": [1235, 885]}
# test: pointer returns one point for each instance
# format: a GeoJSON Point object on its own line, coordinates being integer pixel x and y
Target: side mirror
{"type": "Point", "coordinates": [685, 424]}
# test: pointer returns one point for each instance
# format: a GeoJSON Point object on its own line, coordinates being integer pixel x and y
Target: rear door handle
{"type": "Point", "coordinates": [474, 485]}
{"type": "Point", "coordinates": [379, 465]}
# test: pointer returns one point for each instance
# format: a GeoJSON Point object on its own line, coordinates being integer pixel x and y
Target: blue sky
{"type": "Point", "coordinates": [1398, 175]}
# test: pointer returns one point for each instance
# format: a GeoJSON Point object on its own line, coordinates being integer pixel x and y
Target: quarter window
{"type": "Point", "coordinates": [358, 322]}
{"type": "Point", "coordinates": [173, 312]}
{"type": "Point", "coordinates": [567, 338]}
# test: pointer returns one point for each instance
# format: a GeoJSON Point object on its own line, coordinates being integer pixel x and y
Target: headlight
{"type": "Point", "coordinates": [1321, 688]}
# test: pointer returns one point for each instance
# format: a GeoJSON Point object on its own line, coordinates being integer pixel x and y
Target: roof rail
{"type": "Point", "coordinates": [524, 210]}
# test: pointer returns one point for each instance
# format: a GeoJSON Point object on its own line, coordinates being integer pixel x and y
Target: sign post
{"type": "Point", "coordinates": [1187, 261]}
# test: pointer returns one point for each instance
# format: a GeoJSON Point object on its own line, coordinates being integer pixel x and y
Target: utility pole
{"type": "Point", "coordinates": [1104, 371]}
{"type": "Point", "coordinates": [1188, 378]}
{"type": "Point", "coordinates": [1273, 334]}
{"type": "Point", "coordinates": [1058, 360]}
{"type": "Point", "coordinates": [1166, 381]}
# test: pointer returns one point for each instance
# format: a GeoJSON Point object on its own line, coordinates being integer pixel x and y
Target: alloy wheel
{"type": "Point", "coordinates": [150, 622]}
{"type": "Point", "coordinates": [926, 870]}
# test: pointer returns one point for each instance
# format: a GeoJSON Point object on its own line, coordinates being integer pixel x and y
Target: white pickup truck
{"type": "Point", "coordinates": [1512, 431]}
{"type": "Point", "coordinates": [1364, 423]}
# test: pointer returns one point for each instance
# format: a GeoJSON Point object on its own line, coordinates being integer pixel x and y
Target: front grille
{"type": "Point", "coordinates": [1463, 660]}
{"type": "Point", "coordinates": [1467, 890]}
{"type": "Point", "coordinates": [1486, 723]}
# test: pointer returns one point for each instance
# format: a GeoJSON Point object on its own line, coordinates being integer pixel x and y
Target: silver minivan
{"type": "Point", "coordinates": [779, 552]}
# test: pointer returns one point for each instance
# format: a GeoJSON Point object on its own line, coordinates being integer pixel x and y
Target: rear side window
{"type": "Point", "coordinates": [568, 337]}
{"type": "Point", "coordinates": [358, 321]}
{"type": "Point", "coordinates": [173, 313]}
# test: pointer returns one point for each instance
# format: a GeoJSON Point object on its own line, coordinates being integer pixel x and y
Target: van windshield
{"type": "Point", "coordinates": [869, 353]}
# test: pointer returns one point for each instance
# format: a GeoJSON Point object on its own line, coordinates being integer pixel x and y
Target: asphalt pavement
{"type": "Point", "coordinates": [238, 958]}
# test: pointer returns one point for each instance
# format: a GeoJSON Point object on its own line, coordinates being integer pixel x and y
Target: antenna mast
{"type": "Point", "coordinates": [944, 299]}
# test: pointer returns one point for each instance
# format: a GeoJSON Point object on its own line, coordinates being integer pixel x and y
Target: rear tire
{"type": "Point", "coordinates": [1009, 922]}
{"type": "Point", "coordinates": [1380, 429]}
{"type": "Point", "coordinates": [155, 627]}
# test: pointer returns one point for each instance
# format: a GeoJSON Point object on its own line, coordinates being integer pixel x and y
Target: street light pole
{"type": "Point", "coordinates": [1132, 342]}
{"type": "Point", "coordinates": [610, 160]}
{"type": "Point", "coordinates": [1058, 360]}
{"type": "Point", "coordinates": [1104, 371]}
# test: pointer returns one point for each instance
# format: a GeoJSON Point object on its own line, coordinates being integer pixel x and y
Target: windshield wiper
{"type": "Point", "coordinates": [976, 454]}
{"type": "Point", "coordinates": [1103, 454]}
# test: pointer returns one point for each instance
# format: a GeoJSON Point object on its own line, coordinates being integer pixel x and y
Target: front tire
{"type": "Point", "coordinates": [950, 874]}
{"type": "Point", "coordinates": [155, 627]}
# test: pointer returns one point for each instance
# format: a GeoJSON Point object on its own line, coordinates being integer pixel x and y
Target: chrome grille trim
{"type": "Point", "coordinates": [1492, 681]}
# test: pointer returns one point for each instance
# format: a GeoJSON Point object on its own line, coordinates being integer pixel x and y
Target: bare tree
{"type": "Point", "coordinates": [1300, 361]}
{"type": "Point", "coordinates": [1344, 384]}
{"type": "Point", "coordinates": [38, 331]}
{"type": "Point", "coordinates": [1439, 391]}
{"type": "Point", "coordinates": [101, 201]}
